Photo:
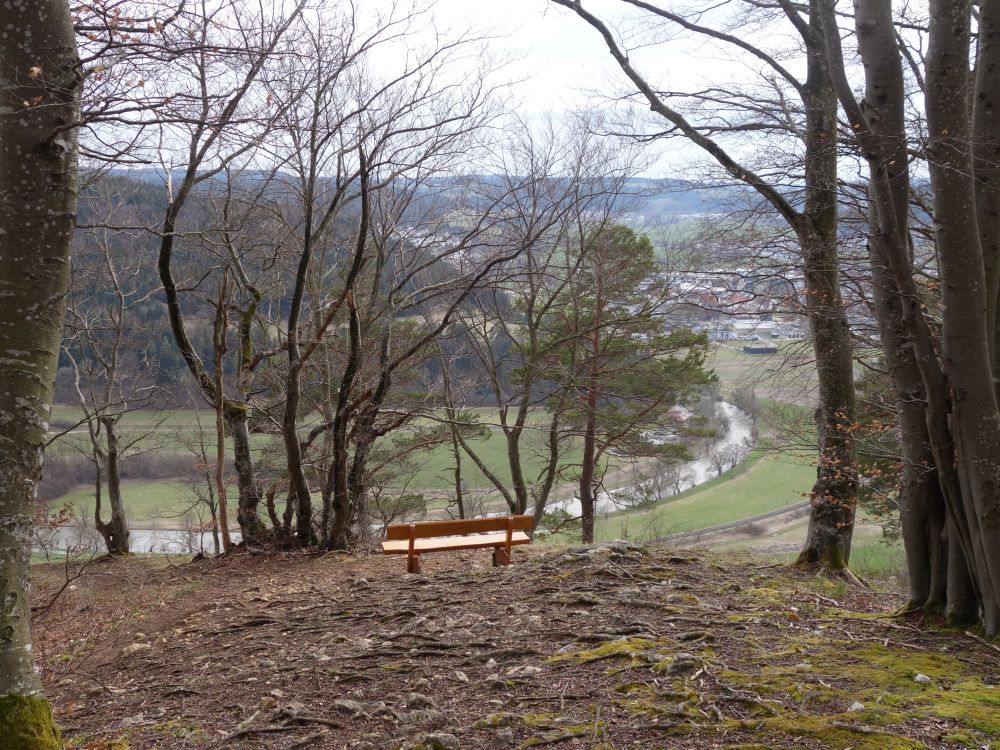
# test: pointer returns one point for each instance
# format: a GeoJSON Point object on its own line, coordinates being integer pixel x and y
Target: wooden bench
{"type": "Point", "coordinates": [414, 539]}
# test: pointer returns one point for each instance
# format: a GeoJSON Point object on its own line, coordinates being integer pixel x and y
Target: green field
{"type": "Point", "coordinates": [788, 376]}
{"type": "Point", "coordinates": [760, 484]}
{"type": "Point", "coordinates": [164, 502]}
{"type": "Point", "coordinates": [67, 414]}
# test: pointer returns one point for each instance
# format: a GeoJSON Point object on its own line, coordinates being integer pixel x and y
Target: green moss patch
{"type": "Point", "coordinates": [26, 723]}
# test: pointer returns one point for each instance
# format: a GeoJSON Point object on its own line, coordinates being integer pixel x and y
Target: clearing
{"type": "Point", "coordinates": [615, 647]}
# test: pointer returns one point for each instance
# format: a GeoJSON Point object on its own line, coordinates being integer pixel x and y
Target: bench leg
{"type": "Point", "coordinates": [500, 557]}
{"type": "Point", "coordinates": [413, 564]}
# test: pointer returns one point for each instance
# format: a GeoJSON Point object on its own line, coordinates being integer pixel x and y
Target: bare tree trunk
{"type": "Point", "coordinates": [986, 162]}
{"type": "Point", "coordinates": [219, 354]}
{"type": "Point", "coordinates": [517, 480]}
{"type": "Point", "coordinates": [336, 500]}
{"type": "Point", "coordinates": [880, 128]}
{"type": "Point", "coordinates": [452, 414]}
{"type": "Point", "coordinates": [237, 417]}
{"type": "Point", "coordinates": [542, 493]}
{"type": "Point", "coordinates": [588, 470]}
{"type": "Point", "coordinates": [588, 466]}
{"type": "Point", "coordinates": [39, 95]}
{"type": "Point", "coordinates": [835, 491]}
{"type": "Point", "coordinates": [456, 452]}
{"type": "Point", "coordinates": [962, 607]}
{"type": "Point", "coordinates": [115, 531]}
{"type": "Point", "coordinates": [966, 359]}
{"type": "Point", "coordinates": [834, 496]}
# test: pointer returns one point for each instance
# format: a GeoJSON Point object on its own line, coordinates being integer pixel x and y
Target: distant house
{"type": "Point", "coordinates": [679, 414]}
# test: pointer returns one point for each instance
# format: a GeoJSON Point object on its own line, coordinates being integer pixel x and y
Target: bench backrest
{"type": "Point", "coordinates": [459, 527]}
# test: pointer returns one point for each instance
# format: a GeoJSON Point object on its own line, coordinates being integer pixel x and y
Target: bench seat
{"type": "Point", "coordinates": [501, 533]}
{"type": "Point", "coordinates": [445, 543]}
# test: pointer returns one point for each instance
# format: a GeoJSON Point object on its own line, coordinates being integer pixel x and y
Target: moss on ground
{"type": "Point", "coordinates": [834, 732]}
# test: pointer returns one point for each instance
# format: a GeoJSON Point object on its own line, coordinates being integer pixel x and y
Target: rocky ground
{"type": "Point", "coordinates": [614, 647]}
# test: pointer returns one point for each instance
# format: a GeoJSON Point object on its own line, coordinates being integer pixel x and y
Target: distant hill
{"type": "Point", "coordinates": [657, 198]}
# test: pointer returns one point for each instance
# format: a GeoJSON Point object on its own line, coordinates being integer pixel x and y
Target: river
{"type": "Point", "coordinates": [738, 434]}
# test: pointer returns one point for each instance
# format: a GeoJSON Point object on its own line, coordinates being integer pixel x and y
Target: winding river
{"type": "Point", "coordinates": [178, 541]}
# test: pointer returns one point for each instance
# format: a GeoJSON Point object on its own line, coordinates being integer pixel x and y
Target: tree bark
{"type": "Point", "coordinates": [880, 129]}
{"type": "Point", "coordinates": [587, 472]}
{"type": "Point", "coordinates": [218, 353]}
{"type": "Point", "coordinates": [922, 510]}
{"type": "Point", "coordinates": [965, 356]}
{"type": "Point", "coordinates": [588, 466]}
{"type": "Point", "coordinates": [452, 414]}
{"type": "Point", "coordinates": [39, 109]}
{"type": "Point", "coordinates": [986, 163]}
{"type": "Point", "coordinates": [115, 531]}
{"type": "Point", "coordinates": [237, 417]}
{"type": "Point", "coordinates": [834, 495]}
{"type": "Point", "coordinates": [542, 492]}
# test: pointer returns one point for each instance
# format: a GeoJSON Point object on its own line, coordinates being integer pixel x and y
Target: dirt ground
{"type": "Point", "coordinates": [613, 648]}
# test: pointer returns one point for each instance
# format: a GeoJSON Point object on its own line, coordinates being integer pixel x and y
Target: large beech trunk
{"type": "Point", "coordinates": [834, 495]}
{"type": "Point", "coordinates": [39, 92]}
{"type": "Point", "coordinates": [956, 392]}
{"type": "Point", "coordinates": [905, 340]}
{"type": "Point", "coordinates": [965, 351]}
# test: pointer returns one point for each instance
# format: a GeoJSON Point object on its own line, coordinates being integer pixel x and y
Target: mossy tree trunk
{"type": "Point", "coordinates": [39, 94]}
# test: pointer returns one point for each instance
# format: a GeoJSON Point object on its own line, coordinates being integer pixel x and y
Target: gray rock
{"type": "Point", "coordinates": [422, 716]}
{"type": "Point", "coordinates": [290, 710]}
{"type": "Point", "coordinates": [696, 635]}
{"type": "Point", "coordinates": [135, 648]}
{"type": "Point", "coordinates": [625, 544]}
{"type": "Point", "coordinates": [922, 679]}
{"type": "Point", "coordinates": [418, 700]}
{"type": "Point", "coordinates": [347, 706]}
{"type": "Point", "coordinates": [683, 663]}
{"type": "Point", "coordinates": [439, 741]}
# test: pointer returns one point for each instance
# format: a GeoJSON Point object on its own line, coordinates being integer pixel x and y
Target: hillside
{"type": "Point", "coordinates": [614, 647]}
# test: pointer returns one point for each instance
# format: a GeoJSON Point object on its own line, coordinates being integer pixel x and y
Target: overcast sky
{"type": "Point", "coordinates": [563, 63]}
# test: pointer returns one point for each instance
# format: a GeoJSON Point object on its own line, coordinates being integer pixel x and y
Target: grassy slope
{"type": "Point", "coordinates": [761, 484]}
